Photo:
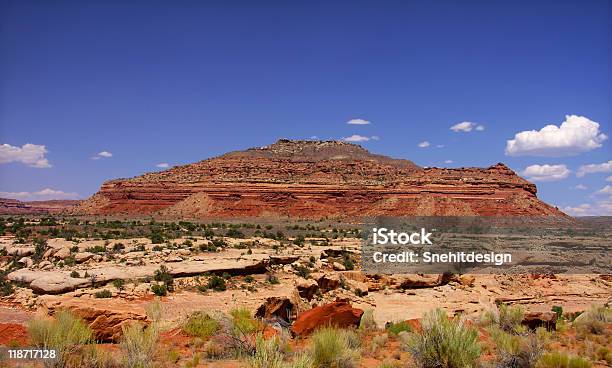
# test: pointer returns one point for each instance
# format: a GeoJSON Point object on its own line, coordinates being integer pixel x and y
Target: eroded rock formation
{"type": "Point", "coordinates": [315, 179]}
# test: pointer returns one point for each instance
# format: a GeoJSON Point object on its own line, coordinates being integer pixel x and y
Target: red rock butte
{"type": "Point", "coordinates": [316, 179]}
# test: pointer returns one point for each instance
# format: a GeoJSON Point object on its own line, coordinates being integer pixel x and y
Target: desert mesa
{"type": "Point", "coordinates": [306, 179]}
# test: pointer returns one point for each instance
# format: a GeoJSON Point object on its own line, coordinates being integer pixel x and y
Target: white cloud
{"type": "Point", "coordinates": [546, 172]}
{"type": "Point", "coordinates": [360, 138]}
{"type": "Point", "coordinates": [424, 144]}
{"type": "Point", "coordinates": [314, 137]}
{"type": "Point", "coordinates": [448, 161]}
{"type": "Point", "coordinates": [580, 187]}
{"type": "Point", "coordinates": [163, 165]}
{"type": "Point", "coordinates": [609, 178]}
{"type": "Point", "coordinates": [604, 167]}
{"type": "Point", "coordinates": [601, 208]}
{"type": "Point", "coordinates": [29, 154]}
{"type": "Point", "coordinates": [440, 146]}
{"type": "Point", "coordinates": [575, 135]}
{"type": "Point", "coordinates": [605, 190]}
{"type": "Point", "coordinates": [358, 122]}
{"type": "Point", "coordinates": [466, 127]}
{"type": "Point", "coordinates": [41, 195]}
{"type": "Point", "coordinates": [103, 154]}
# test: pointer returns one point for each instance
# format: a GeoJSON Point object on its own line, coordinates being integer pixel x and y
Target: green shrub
{"type": "Point", "coordinates": [201, 325]}
{"type": "Point", "coordinates": [157, 238]}
{"type": "Point", "coordinates": [397, 327]}
{"type": "Point", "coordinates": [164, 276]}
{"type": "Point", "coordinates": [217, 283]}
{"type": "Point", "coordinates": [330, 348]}
{"type": "Point", "coordinates": [119, 284]}
{"type": "Point", "coordinates": [65, 333]}
{"type": "Point", "coordinates": [40, 247]}
{"type": "Point", "coordinates": [103, 294]}
{"type": "Point", "coordinates": [207, 247]}
{"type": "Point", "coordinates": [139, 344]}
{"type": "Point", "coordinates": [272, 279]}
{"type": "Point", "coordinates": [558, 310]}
{"type": "Point", "coordinates": [444, 343]}
{"type": "Point", "coordinates": [249, 279]}
{"type": "Point", "coordinates": [97, 249]}
{"type": "Point", "coordinates": [159, 289]}
{"type": "Point", "coordinates": [348, 262]}
{"type": "Point", "coordinates": [75, 274]}
{"type": "Point", "coordinates": [118, 247]}
{"type": "Point", "coordinates": [561, 360]}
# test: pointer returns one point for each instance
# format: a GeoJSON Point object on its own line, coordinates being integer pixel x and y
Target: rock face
{"type": "Point", "coordinates": [16, 207]}
{"type": "Point", "coordinates": [339, 314]}
{"type": "Point", "coordinates": [314, 179]}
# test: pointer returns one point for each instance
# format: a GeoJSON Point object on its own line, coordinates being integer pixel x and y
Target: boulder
{"type": "Point", "coordinates": [62, 253]}
{"type": "Point", "coordinates": [418, 281]}
{"type": "Point", "coordinates": [534, 320]}
{"type": "Point", "coordinates": [20, 251]}
{"type": "Point", "coordinates": [338, 266]}
{"type": "Point", "coordinates": [307, 288]}
{"type": "Point", "coordinates": [276, 307]}
{"type": "Point", "coordinates": [26, 261]}
{"type": "Point", "coordinates": [105, 319]}
{"type": "Point", "coordinates": [83, 256]}
{"type": "Point", "coordinates": [326, 281]}
{"type": "Point", "coordinates": [57, 283]}
{"type": "Point", "coordinates": [339, 314]}
{"type": "Point", "coordinates": [45, 265]}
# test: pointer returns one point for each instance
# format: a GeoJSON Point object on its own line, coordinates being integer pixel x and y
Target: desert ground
{"type": "Point", "coordinates": [285, 294]}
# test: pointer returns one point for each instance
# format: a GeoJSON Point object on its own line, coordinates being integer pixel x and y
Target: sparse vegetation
{"type": "Point", "coordinates": [217, 283]}
{"type": "Point", "coordinates": [103, 294]}
{"type": "Point", "coordinates": [65, 333]}
{"type": "Point", "coordinates": [139, 345]}
{"type": "Point", "coordinates": [201, 325]}
{"type": "Point", "coordinates": [444, 342]}
{"type": "Point", "coordinates": [330, 348]}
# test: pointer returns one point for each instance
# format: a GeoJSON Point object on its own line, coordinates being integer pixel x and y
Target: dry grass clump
{"type": "Point", "coordinates": [444, 343]}
{"type": "Point", "coordinates": [561, 360]}
{"type": "Point", "coordinates": [139, 344]}
{"type": "Point", "coordinates": [332, 347]}
{"type": "Point", "coordinates": [515, 350]}
{"type": "Point", "coordinates": [594, 320]}
{"type": "Point", "coordinates": [367, 322]}
{"type": "Point", "coordinates": [65, 333]}
{"type": "Point", "coordinates": [268, 354]}
{"type": "Point", "coordinates": [506, 317]}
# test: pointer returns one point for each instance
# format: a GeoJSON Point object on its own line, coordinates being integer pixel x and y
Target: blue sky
{"type": "Point", "coordinates": [152, 82]}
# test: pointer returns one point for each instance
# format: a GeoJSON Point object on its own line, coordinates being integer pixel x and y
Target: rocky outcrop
{"type": "Point", "coordinates": [276, 307]}
{"type": "Point", "coordinates": [534, 320]}
{"type": "Point", "coordinates": [58, 282]}
{"type": "Point", "coordinates": [339, 314]}
{"type": "Point", "coordinates": [314, 179]}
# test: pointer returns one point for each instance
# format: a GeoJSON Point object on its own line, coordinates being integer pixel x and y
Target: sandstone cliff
{"type": "Point", "coordinates": [314, 179]}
